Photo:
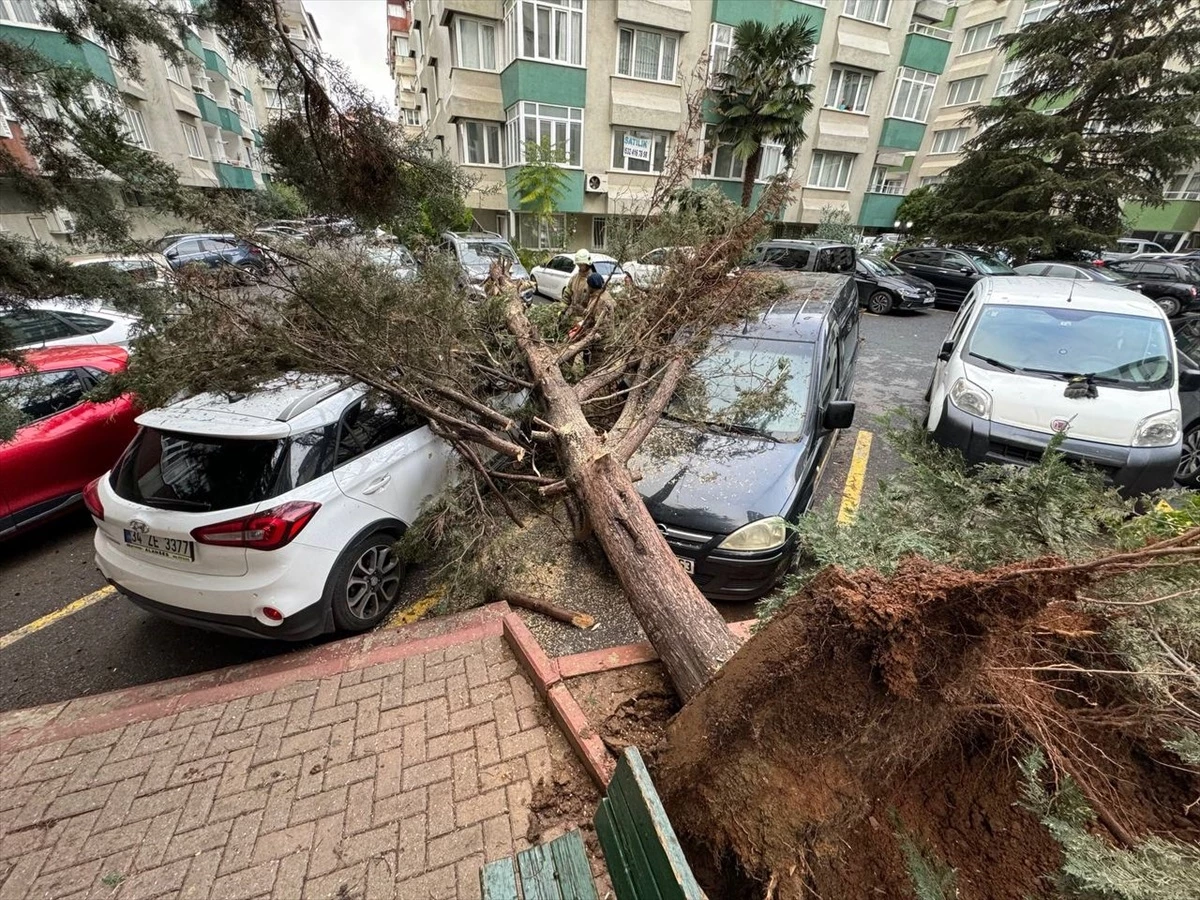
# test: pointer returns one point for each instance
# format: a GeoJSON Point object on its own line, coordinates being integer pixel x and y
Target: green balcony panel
{"type": "Point", "coordinates": [879, 210]}
{"type": "Point", "coordinates": [209, 111]}
{"type": "Point", "coordinates": [215, 62]}
{"type": "Point", "coordinates": [1056, 102]}
{"type": "Point", "coordinates": [249, 97]}
{"type": "Point", "coordinates": [229, 120]}
{"type": "Point", "coordinates": [951, 15]}
{"type": "Point", "coordinates": [257, 135]}
{"type": "Point", "coordinates": [234, 176]}
{"type": "Point", "coordinates": [769, 12]}
{"type": "Point", "coordinates": [572, 200]}
{"type": "Point", "coordinates": [56, 48]}
{"type": "Point", "coordinates": [192, 44]}
{"type": "Point", "coordinates": [929, 54]}
{"type": "Point", "coordinates": [901, 134]}
{"type": "Point", "coordinates": [731, 189]}
{"type": "Point", "coordinates": [1176, 215]}
{"type": "Point", "coordinates": [527, 79]}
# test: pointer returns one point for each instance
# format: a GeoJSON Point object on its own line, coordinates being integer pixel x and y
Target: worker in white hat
{"type": "Point", "coordinates": [576, 293]}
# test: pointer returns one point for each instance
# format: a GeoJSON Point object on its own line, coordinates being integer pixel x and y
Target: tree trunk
{"type": "Point", "coordinates": [750, 175]}
{"type": "Point", "coordinates": [689, 634]}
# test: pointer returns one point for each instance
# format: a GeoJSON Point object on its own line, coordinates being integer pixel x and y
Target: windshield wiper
{"type": "Point", "coordinates": [740, 428]}
{"type": "Point", "coordinates": [999, 365]}
{"type": "Point", "coordinates": [158, 503]}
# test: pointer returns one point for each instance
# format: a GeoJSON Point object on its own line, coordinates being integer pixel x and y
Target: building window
{"type": "Point", "coordinates": [914, 92]}
{"type": "Point", "coordinates": [981, 37]}
{"type": "Point", "coordinates": [400, 46]}
{"type": "Point", "coordinates": [412, 117]}
{"type": "Point", "coordinates": [868, 10]}
{"type": "Point", "coordinates": [930, 180]}
{"type": "Point", "coordinates": [5, 114]}
{"type": "Point", "coordinates": [965, 90]}
{"type": "Point", "coordinates": [476, 44]}
{"type": "Point", "coordinates": [646, 54]}
{"type": "Point", "coordinates": [599, 232]}
{"type": "Point", "coordinates": [396, 11]}
{"type": "Point", "coordinates": [547, 233]}
{"type": "Point", "coordinates": [639, 151]}
{"type": "Point", "coordinates": [20, 11]}
{"type": "Point", "coordinates": [849, 89]}
{"type": "Point", "coordinates": [884, 182]}
{"type": "Point", "coordinates": [178, 73]}
{"type": "Point", "coordinates": [135, 127]}
{"type": "Point", "coordinates": [772, 161]}
{"type": "Point", "coordinates": [1181, 187]}
{"type": "Point", "coordinates": [1036, 10]}
{"type": "Point", "coordinates": [1009, 75]}
{"type": "Point", "coordinates": [719, 161]}
{"type": "Point", "coordinates": [831, 170]}
{"type": "Point", "coordinates": [480, 143]}
{"type": "Point", "coordinates": [562, 126]}
{"type": "Point", "coordinates": [720, 47]}
{"type": "Point", "coordinates": [948, 141]}
{"type": "Point", "coordinates": [549, 30]}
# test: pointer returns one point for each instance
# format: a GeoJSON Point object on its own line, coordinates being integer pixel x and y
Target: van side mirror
{"type": "Point", "coordinates": [838, 414]}
{"type": "Point", "coordinates": [947, 349]}
{"type": "Point", "coordinates": [1189, 380]}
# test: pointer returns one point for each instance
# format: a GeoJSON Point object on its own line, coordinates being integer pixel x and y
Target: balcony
{"type": "Point", "coordinates": [479, 9]}
{"type": "Point", "coordinates": [56, 48]}
{"type": "Point", "coordinates": [862, 44]}
{"type": "Point", "coordinates": [528, 79]}
{"type": "Point", "coordinates": [932, 11]}
{"type": "Point", "coordinates": [215, 62]}
{"type": "Point", "coordinates": [902, 134]}
{"type": "Point", "coordinates": [646, 104]}
{"type": "Point", "coordinates": [209, 111]}
{"type": "Point", "coordinates": [473, 95]}
{"type": "Point", "coordinates": [230, 121]}
{"type": "Point", "coordinates": [926, 49]}
{"type": "Point", "coordinates": [879, 210]}
{"type": "Point", "coordinates": [672, 15]}
{"type": "Point", "coordinates": [1174, 215]}
{"type": "Point", "coordinates": [231, 176]}
{"type": "Point", "coordinates": [841, 132]}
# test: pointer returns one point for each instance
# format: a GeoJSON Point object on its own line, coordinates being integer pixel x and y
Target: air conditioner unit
{"type": "Point", "coordinates": [596, 183]}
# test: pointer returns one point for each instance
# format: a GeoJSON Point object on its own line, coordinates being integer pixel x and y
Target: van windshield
{"type": "Point", "coordinates": [748, 386]}
{"type": "Point", "coordinates": [1124, 351]}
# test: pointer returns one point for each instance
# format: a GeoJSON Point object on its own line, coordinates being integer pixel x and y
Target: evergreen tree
{"type": "Point", "coordinates": [1104, 111]}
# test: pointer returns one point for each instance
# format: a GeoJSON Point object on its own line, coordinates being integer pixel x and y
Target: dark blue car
{"type": "Point", "coordinates": [212, 251]}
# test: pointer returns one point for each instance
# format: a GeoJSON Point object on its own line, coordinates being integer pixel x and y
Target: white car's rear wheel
{"type": "Point", "coordinates": [365, 583]}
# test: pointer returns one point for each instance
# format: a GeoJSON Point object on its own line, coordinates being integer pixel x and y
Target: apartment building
{"type": "Point", "coordinates": [606, 81]}
{"type": "Point", "coordinates": [403, 67]}
{"type": "Point", "coordinates": [202, 114]}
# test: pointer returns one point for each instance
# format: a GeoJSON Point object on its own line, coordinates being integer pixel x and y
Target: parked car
{"type": "Point", "coordinates": [475, 251]}
{"type": "Point", "coordinates": [62, 324]}
{"type": "Point", "coordinates": [647, 269]}
{"type": "Point", "coordinates": [814, 255]}
{"type": "Point", "coordinates": [63, 440]}
{"type": "Point", "coordinates": [272, 514]}
{"type": "Point", "coordinates": [551, 277]}
{"type": "Point", "coordinates": [1170, 296]}
{"type": "Point", "coordinates": [1028, 358]}
{"type": "Point", "coordinates": [1187, 343]}
{"type": "Point", "coordinates": [395, 258]}
{"type": "Point", "coordinates": [953, 271]}
{"type": "Point", "coordinates": [1172, 285]}
{"type": "Point", "coordinates": [1127, 247]}
{"type": "Point", "coordinates": [723, 480]}
{"type": "Point", "coordinates": [213, 251]}
{"type": "Point", "coordinates": [882, 287]}
{"type": "Point", "coordinates": [143, 268]}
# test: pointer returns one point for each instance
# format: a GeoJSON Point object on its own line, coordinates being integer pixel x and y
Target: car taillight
{"type": "Point", "coordinates": [91, 499]}
{"type": "Point", "coordinates": [267, 530]}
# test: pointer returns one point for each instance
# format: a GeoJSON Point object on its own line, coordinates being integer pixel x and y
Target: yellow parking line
{"type": "Point", "coordinates": [50, 618]}
{"type": "Point", "coordinates": [410, 614]}
{"type": "Point", "coordinates": [854, 478]}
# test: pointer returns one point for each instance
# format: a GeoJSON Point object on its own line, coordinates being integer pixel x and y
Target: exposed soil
{"type": "Point", "coordinates": [629, 706]}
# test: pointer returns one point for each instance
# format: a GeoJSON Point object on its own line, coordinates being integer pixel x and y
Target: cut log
{"type": "Point", "coordinates": [546, 608]}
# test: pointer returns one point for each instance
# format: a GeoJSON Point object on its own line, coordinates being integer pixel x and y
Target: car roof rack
{"type": "Point", "coordinates": [308, 401]}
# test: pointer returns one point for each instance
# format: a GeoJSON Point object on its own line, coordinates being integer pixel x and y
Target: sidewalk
{"type": "Point", "coordinates": [385, 766]}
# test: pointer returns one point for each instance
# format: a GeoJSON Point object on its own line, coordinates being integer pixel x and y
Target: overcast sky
{"type": "Point", "coordinates": [355, 31]}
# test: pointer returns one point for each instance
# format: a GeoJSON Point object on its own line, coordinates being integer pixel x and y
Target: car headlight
{"type": "Point", "coordinates": [971, 398]}
{"type": "Point", "coordinates": [765, 534]}
{"type": "Point", "coordinates": [1159, 430]}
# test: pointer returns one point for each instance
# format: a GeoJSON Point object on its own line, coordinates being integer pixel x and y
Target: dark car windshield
{"type": "Point", "coordinates": [748, 385]}
{"type": "Point", "coordinates": [989, 265]}
{"type": "Point", "coordinates": [1119, 350]}
{"type": "Point", "coordinates": [186, 472]}
{"type": "Point", "coordinates": [878, 267]}
{"type": "Point", "coordinates": [477, 253]}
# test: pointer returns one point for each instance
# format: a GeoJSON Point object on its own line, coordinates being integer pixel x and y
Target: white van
{"type": "Point", "coordinates": [1027, 358]}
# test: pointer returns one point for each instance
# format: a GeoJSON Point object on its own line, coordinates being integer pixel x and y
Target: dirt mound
{"type": "Point", "coordinates": [890, 709]}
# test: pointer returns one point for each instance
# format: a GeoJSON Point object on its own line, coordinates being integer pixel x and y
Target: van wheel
{"type": "Point", "coordinates": [1169, 305]}
{"type": "Point", "coordinates": [880, 303]}
{"type": "Point", "coordinates": [1188, 473]}
{"type": "Point", "coordinates": [365, 583]}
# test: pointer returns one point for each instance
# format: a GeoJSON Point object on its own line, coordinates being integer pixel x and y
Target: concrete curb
{"type": "Point", "coordinates": [24, 728]}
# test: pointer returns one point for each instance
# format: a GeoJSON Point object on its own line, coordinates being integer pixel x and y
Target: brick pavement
{"type": "Point", "coordinates": [393, 779]}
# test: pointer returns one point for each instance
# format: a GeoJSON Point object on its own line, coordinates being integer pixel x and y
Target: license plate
{"type": "Point", "coordinates": [928, 301]}
{"type": "Point", "coordinates": [156, 544]}
{"type": "Point", "coordinates": [687, 565]}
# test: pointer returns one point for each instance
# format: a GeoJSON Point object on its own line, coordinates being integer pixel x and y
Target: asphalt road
{"type": "Point", "coordinates": [112, 644]}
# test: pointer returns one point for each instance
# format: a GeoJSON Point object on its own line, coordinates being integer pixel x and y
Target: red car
{"type": "Point", "coordinates": [63, 441]}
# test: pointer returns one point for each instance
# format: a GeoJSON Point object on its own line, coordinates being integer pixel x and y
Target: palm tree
{"type": "Point", "coordinates": [759, 96]}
